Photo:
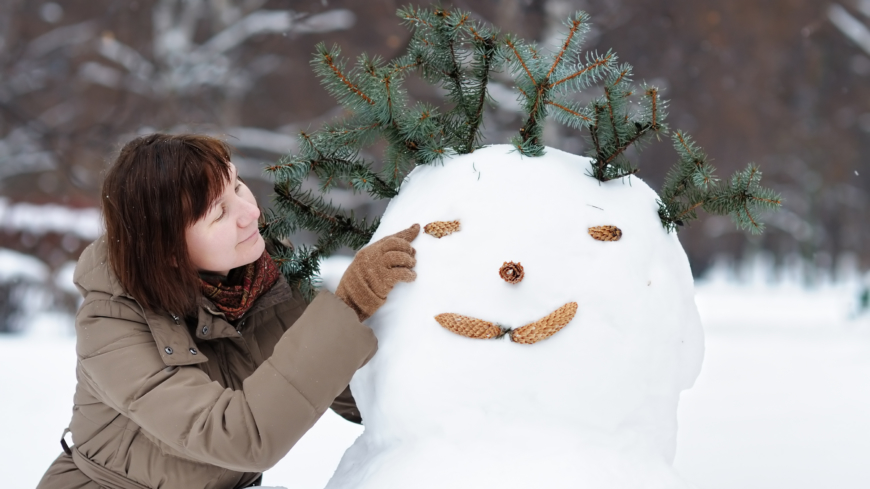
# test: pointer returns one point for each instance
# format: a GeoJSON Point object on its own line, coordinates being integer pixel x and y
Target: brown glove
{"type": "Point", "coordinates": [376, 269]}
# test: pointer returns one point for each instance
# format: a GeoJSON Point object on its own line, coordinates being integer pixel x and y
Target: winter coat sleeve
{"type": "Point", "coordinates": [247, 430]}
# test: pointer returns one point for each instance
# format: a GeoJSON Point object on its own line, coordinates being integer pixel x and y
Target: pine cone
{"type": "Point", "coordinates": [470, 327]}
{"type": "Point", "coordinates": [545, 327]}
{"type": "Point", "coordinates": [511, 272]}
{"type": "Point", "coordinates": [439, 229]}
{"type": "Point", "coordinates": [605, 233]}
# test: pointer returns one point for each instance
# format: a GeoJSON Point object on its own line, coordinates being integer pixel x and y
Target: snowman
{"type": "Point", "coordinates": [552, 324]}
{"type": "Point", "coordinates": [545, 341]}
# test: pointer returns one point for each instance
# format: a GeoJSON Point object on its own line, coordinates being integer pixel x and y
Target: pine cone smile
{"type": "Point", "coordinates": [531, 333]}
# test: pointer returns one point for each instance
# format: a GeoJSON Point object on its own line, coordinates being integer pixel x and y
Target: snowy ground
{"type": "Point", "coordinates": [783, 400]}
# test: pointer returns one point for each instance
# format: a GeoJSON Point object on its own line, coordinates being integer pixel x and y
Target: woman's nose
{"type": "Point", "coordinates": [250, 213]}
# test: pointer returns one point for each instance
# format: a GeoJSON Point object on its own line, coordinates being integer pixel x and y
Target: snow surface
{"type": "Point", "coordinates": [777, 404]}
{"type": "Point", "coordinates": [50, 218]}
{"type": "Point", "coordinates": [781, 401]}
{"type": "Point", "coordinates": [595, 405]}
{"type": "Point", "coordinates": [18, 266]}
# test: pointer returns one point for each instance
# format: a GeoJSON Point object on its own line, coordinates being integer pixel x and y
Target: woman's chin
{"type": "Point", "coordinates": [257, 247]}
{"type": "Point", "coordinates": [249, 252]}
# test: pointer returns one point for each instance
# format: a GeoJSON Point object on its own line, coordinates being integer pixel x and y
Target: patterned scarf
{"type": "Point", "coordinates": [235, 295]}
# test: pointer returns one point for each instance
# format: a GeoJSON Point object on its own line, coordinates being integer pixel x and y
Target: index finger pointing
{"type": "Point", "coordinates": [409, 234]}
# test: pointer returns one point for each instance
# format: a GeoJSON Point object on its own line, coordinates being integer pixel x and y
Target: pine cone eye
{"type": "Point", "coordinates": [511, 272]}
{"type": "Point", "coordinates": [605, 233]}
{"type": "Point", "coordinates": [439, 229]}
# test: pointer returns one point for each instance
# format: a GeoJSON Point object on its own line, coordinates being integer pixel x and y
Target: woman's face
{"type": "Point", "coordinates": [227, 236]}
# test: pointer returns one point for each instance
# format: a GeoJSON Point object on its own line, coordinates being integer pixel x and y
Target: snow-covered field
{"type": "Point", "coordinates": [783, 400]}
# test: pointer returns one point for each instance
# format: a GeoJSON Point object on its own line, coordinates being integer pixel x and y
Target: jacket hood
{"type": "Point", "coordinates": [175, 344]}
{"type": "Point", "coordinates": [93, 272]}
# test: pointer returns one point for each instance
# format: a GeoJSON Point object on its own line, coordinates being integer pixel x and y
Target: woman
{"type": "Point", "coordinates": [198, 366]}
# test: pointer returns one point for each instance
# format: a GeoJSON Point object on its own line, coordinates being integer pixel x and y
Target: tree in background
{"type": "Point", "coordinates": [95, 75]}
{"type": "Point", "coordinates": [789, 92]}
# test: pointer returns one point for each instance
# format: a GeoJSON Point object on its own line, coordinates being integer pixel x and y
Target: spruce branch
{"type": "Point", "coordinates": [539, 78]}
{"type": "Point", "coordinates": [331, 70]}
{"type": "Point", "coordinates": [300, 266]}
{"type": "Point", "coordinates": [573, 28]}
{"type": "Point", "coordinates": [350, 135]}
{"type": "Point", "coordinates": [460, 55]}
{"type": "Point", "coordinates": [339, 164]}
{"type": "Point", "coordinates": [446, 48]}
{"type": "Point", "coordinates": [312, 213]}
{"type": "Point", "coordinates": [585, 74]}
{"type": "Point", "coordinates": [692, 184]}
{"type": "Point", "coordinates": [414, 17]}
{"type": "Point", "coordinates": [571, 114]}
{"type": "Point", "coordinates": [515, 47]}
{"type": "Point", "coordinates": [743, 198]}
{"type": "Point", "coordinates": [616, 127]}
{"type": "Point", "coordinates": [485, 50]}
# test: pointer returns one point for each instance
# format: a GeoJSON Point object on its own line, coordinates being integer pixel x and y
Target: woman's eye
{"type": "Point", "coordinates": [223, 212]}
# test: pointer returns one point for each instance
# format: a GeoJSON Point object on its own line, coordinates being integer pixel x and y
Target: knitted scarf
{"type": "Point", "coordinates": [235, 295]}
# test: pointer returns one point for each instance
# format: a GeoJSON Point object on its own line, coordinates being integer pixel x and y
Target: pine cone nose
{"type": "Point", "coordinates": [511, 272]}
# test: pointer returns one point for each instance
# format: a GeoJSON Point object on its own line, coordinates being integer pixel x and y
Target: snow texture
{"type": "Point", "coordinates": [50, 218]}
{"type": "Point", "coordinates": [15, 265]}
{"type": "Point", "coordinates": [595, 405]}
{"type": "Point", "coordinates": [778, 404]}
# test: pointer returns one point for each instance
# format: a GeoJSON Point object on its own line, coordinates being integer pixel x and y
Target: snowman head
{"type": "Point", "coordinates": [461, 55]}
{"type": "Point", "coordinates": [586, 331]}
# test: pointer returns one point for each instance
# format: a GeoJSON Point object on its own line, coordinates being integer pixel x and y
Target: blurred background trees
{"type": "Point", "coordinates": [782, 83]}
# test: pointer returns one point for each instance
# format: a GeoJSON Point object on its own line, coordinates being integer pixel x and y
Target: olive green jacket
{"type": "Point", "coordinates": [163, 402]}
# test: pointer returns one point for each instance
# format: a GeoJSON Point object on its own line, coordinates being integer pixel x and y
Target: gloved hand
{"type": "Point", "coordinates": [376, 269]}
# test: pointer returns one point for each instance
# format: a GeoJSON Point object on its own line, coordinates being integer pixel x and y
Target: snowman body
{"type": "Point", "coordinates": [594, 405]}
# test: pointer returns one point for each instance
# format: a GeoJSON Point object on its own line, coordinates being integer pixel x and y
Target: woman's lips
{"type": "Point", "coordinates": [256, 232]}
{"type": "Point", "coordinates": [531, 333]}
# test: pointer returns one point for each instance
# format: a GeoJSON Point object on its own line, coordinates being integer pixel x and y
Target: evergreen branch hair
{"type": "Point", "coordinates": [447, 48]}
{"type": "Point", "coordinates": [538, 80]}
{"type": "Point", "coordinates": [451, 50]}
{"type": "Point", "coordinates": [300, 266]}
{"type": "Point", "coordinates": [692, 184]}
{"type": "Point", "coordinates": [312, 213]}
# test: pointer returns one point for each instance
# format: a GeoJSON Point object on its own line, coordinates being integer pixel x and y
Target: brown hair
{"type": "Point", "coordinates": [159, 186]}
